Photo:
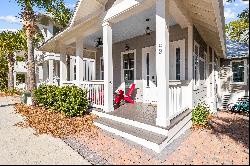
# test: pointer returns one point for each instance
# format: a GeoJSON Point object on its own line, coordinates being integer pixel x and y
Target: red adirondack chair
{"type": "Point", "coordinates": [119, 97]}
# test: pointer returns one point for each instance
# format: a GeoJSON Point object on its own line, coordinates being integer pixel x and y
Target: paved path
{"type": "Point", "coordinates": [21, 146]}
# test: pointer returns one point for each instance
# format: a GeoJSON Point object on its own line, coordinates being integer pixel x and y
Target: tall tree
{"type": "Point", "coordinates": [3, 72]}
{"type": "Point", "coordinates": [11, 42]}
{"type": "Point", "coordinates": [238, 30]}
{"type": "Point", "coordinates": [29, 16]}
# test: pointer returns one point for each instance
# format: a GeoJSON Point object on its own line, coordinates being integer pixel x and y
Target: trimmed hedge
{"type": "Point", "coordinates": [200, 115]}
{"type": "Point", "coordinates": [70, 100]}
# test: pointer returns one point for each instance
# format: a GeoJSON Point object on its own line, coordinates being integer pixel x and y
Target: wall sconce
{"type": "Point", "coordinates": [99, 43]}
{"type": "Point", "coordinates": [148, 31]}
{"type": "Point", "coordinates": [126, 47]}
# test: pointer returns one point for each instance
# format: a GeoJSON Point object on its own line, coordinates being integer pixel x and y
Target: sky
{"type": "Point", "coordinates": [9, 13]}
{"type": "Point", "coordinates": [9, 10]}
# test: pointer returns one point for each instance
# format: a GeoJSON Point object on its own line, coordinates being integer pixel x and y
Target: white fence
{"type": "Point", "coordinates": [95, 93]}
{"type": "Point", "coordinates": [180, 93]}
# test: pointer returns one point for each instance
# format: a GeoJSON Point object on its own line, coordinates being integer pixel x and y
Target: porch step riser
{"type": "Point", "coordinates": [150, 145]}
{"type": "Point", "coordinates": [143, 126]}
{"type": "Point", "coordinates": [176, 131]}
{"type": "Point", "coordinates": [179, 129]}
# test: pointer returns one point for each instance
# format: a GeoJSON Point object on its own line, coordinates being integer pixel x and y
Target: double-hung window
{"type": "Point", "coordinates": [238, 72]}
{"type": "Point", "coordinates": [128, 63]}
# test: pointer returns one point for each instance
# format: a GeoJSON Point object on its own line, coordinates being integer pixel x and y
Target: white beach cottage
{"type": "Point", "coordinates": [170, 49]}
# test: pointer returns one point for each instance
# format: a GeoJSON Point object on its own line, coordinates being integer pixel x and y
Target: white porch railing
{"type": "Point", "coordinates": [179, 92]}
{"type": "Point", "coordinates": [95, 93]}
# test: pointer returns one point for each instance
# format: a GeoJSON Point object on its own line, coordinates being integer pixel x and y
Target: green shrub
{"type": "Point", "coordinates": [200, 115]}
{"type": "Point", "coordinates": [45, 95]}
{"type": "Point", "coordinates": [70, 100]}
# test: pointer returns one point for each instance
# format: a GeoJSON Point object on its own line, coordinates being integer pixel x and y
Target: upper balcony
{"type": "Point", "coordinates": [20, 67]}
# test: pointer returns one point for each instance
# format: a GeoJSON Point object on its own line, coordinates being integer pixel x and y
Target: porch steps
{"type": "Point", "coordinates": [140, 125]}
{"type": "Point", "coordinates": [148, 138]}
{"type": "Point", "coordinates": [226, 98]}
{"type": "Point", "coordinates": [244, 98]}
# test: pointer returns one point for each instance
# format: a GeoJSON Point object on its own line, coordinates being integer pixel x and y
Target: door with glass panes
{"type": "Point", "coordinates": [149, 75]}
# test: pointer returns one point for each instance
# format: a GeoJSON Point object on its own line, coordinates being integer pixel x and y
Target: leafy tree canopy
{"type": "Point", "coordinates": [238, 30]}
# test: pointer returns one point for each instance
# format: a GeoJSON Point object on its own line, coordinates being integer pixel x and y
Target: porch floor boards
{"type": "Point", "coordinates": [140, 112]}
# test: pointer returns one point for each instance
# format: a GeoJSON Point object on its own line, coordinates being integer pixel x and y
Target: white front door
{"type": "Point", "coordinates": [149, 75]}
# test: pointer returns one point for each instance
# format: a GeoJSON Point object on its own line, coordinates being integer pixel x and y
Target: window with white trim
{"type": "Point", "coordinates": [128, 61]}
{"type": "Point", "coordinates": [202, 68]}
{"type": "Point", "coordinates": [238, 71]}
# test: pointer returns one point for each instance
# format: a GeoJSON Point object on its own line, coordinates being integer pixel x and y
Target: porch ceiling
{"type": "Point", "coordinates": [87, 23]}
{"type": "Point", "coordinates": [204, 14]}
{"type": "Point", "coordinates": [129, 28]}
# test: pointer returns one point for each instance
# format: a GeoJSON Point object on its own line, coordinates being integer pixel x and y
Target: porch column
{"type": "Point", "coordinates": [213, 83]}
{"type": "Point", "coordinates": [79, 61]}
{"type": "Point", "coordinates": [45, 71]}
{"type": "Point", "coordinates": [71, 68]}
{"type": "Point", "coordinates": [108, 67]}
{"type": "Point", "coordinates": [51, 68]}
{"type": "Point", "coordinates": [162, 63]}
{"type": "Point", "coordinates": [190, 52]}
{"type": "Point", "coordinates": [63, 65]}
{"type": "Point", "coordinates": [190, 65]}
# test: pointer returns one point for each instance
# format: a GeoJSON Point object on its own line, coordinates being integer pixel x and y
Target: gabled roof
{"type": "Point", "coordinates": [87, 8]}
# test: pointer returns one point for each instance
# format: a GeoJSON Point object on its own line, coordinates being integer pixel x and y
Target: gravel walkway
{"type": "Point", "coordinates": [226, 143]}
{"type": "Point", "coordinates": [21, 146]}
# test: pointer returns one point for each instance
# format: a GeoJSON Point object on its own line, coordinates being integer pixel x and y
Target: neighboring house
{"type": "Point", "coordinates": [234, 74]}
{"type": "Point", "coordinates": [170, 49]}
{"type": "Point", "coordinates": [20, 67]}
{"type": "Point", "coordinates": [49, 62]}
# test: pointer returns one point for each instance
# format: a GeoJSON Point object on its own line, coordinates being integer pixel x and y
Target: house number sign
{"type": "Point", "coordinates": [160, 48]}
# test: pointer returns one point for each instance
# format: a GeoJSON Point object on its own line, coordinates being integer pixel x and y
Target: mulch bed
{"type": "Point", "coordinates": [3, 94]}
{"type": "Point", "coordinates": [224, 142]}
{"type": "Point", "coordinates": [46, 121]}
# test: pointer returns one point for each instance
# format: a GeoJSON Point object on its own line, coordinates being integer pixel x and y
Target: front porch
{"type": "Point", "coordinates": [149, 43]}
{"type": "Point", "coordinates": [155, 63]}
{"type": "Point", "coordinates": [152, 56]}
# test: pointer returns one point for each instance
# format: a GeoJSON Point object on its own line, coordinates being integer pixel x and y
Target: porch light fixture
{"type": "Point", "coordinates": [148, 31]}
{"type": "Point", "coordinates": [99, 43]}
{"type": "Point", "coordinates": [126, 47]}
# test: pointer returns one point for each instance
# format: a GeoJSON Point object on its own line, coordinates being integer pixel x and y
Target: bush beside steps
{"type": "Point", "coordinates": [200, 115]}
{"type": "Point", "coordinates": [70, 100]}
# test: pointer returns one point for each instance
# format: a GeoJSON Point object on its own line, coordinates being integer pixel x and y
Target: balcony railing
{"type": "Point", "coordinates": [95, 93]}
{"type": "Point", "coordinates": [179, 92]}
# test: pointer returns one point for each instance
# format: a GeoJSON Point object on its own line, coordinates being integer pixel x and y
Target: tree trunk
{"type": "Point", "coordinates": [31, 63]}
{"type": "Point", "coordinates": [11, 62]}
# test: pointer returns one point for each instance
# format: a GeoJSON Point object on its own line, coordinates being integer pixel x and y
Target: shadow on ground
{"type": "Point", "coordinates": [236, 128]}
